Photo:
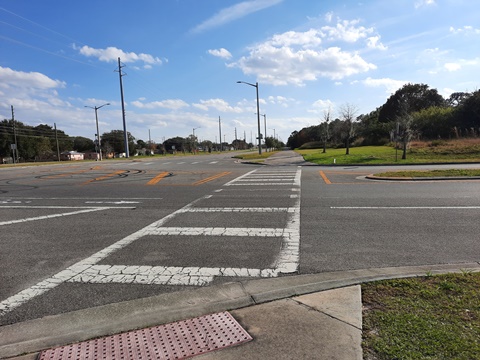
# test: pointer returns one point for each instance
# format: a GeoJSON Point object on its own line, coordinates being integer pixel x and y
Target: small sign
{"type": "Point", "coordinates": [13, 146]}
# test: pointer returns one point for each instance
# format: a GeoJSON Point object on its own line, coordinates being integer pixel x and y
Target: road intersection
{"type": "Point", "coordinates": [81, 236]}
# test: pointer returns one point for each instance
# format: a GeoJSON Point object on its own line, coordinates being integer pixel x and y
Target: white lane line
{"type": "Point", "coordinates": [259, 184]}
{"type": "Point", "coordinates": [244, 209]}
{"type": "Point", "coordinates": [265, 180]}
{"type": "Point", "coordinates": [63, 207]}
{"type": "Point", "coordinates": [213, 162]}
{"type": "Point", "coordinates": [10, 222]}
{"type": "Point", "coordinates": [239, 178]}
{"type": "Point", "coordinates": [289, 256]}
{"type": "Point", "coordinates": [404, 207]}
{"type": "Point", "coordinates": [112, 202]}
{"type": "Point", "coordinates": [163, 275]}
{"type": "Point", "coordinates": [212, 231]}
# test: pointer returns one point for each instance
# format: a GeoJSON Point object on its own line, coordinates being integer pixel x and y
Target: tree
{"type": "Point", "coordinates": [324, 129]}
{"type": "Point", "coordinates": [434, 122]}
{"type": "Point", "coordinates": [83, 144]}
{"type": "Point", "coordinates": [404, 130]}
{"type": "Point", "coordinates": [347, 114]}
{"type": "Point", "coordinates": [416, 97]}
{"type": "Point", "coordinates": [174, 144]}
{"type": "Point", "coordinates": [457, 98]}
{"type": "Point", "coordinates": [114, 140]}
{"type": "Point", "coordinates": [43, 148]}
{"type": "Point", "coordinates": [468, 114]}
{"type": "Point", "coordinates": [372, 131]}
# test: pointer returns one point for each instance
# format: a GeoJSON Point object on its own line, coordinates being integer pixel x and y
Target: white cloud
{"type": "Point", "coordinates": [320, 106]}
{"type": "Point", "coordinates": [29, 80]}
{"type": "Point", "coordinates": [374, 43]}
{"type": "Point", "coordinates": [390, 85]}
{"type": "Point", "coordinates": [285, 65]}
{"type": "Point", "coordinates": [217, 104]}
{"type": "Point", "coordinates": [421, 3]}
{"type": "Point", "coordinates": [173, 104]}
{"type": "Point", "coordinates": [111, 54]}
{"type": "Point", "coordinates": [467, 30]}
{"type": "Point", "coordinates": [221, 53]}
{"type": "Point", "coordinates": [310, 38]}
{"type": "Point", "coordinates": [296, 57]}
{"type": "Point", "coordinates": [234, 12]}
{"type": "Point", "coordinates": [346, 30]}
{"type": "Point", "coordinates": [452, 66]}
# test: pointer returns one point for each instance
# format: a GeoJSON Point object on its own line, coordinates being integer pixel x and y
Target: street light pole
{"type": "Point", "coordinates": [98, 131]}
{"type": "Point", "coordinates": [194, 150]}
{"type": "Point", "coordinates": [258, 115]}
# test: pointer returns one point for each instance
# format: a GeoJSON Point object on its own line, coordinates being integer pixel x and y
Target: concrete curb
{"type": "Point", "coordinates": [35, 335]}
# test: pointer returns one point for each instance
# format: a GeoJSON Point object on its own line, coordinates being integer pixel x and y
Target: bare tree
{"type": "Point", "coordinates": [324, 128]}
{"type": "Point", "coordinates": [347, 114]}
{"type": "Point", "coordinates": [404, 123]}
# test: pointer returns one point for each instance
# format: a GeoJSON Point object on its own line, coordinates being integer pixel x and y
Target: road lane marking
{"type": "Point", "coordinates": [10, 222]}
{"type": "Point", "coordinates": [157, 178]}
{"type": "Point", "coordinates": [68, 174]}
{"type": "Point", "coordinates": [42, 287]}
{"type": "Point", "coordinates": [163, 275]}
{"type": "Point", "coordinates": [404, 207]}
{"type": "Point", "coordinates": [88, 270]}
{"type": "Point", "coordinates": [242, 210]}
{"type": "Point", "coordinates": [211, 178]}
{"type": "Point", "coordinates": [118, 172]}
{"type": "Point", "coordinates": [325, 178]}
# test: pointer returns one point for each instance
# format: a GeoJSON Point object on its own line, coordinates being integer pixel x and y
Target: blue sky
{"type": "Point", "coordinates": [183, 59]}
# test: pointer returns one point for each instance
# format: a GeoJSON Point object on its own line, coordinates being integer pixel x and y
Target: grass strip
{"type": "Point", "coordinates": [431, 173]}
{"type": "Point", "coordinates": [431, 317]}
{"type": "Point", "coordinates": [383, 155]}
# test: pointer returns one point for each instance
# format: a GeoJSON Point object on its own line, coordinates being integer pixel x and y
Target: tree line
{"type": "Point", "coordinates": [414, 111]}
{"type": "Point", "coordinates": [43, 142]}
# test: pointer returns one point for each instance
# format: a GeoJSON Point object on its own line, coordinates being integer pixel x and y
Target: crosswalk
{"type": "Point", "coordinates": [100, 269]}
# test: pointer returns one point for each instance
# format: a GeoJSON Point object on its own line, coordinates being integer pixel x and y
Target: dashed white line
{"type": "Point", "coordinates": [10, 222]}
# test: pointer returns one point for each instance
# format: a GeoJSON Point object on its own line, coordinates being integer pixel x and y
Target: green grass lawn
{"type": "Point", "coordinates": [255, 156]}
{"type": "Point", "coordinates": [432, 317]}
{"type": "Point", "coordinates": [377, 155]}
{"type": "Point", "coordinates": [431, 173]}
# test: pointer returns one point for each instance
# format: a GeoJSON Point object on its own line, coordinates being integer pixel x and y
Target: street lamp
{"type": "Point", "coordinates": [96, 120]}
{"type": "Point", "coordinates": [194, 138]}
{"type": "Point", "coordinates": [258, 115]}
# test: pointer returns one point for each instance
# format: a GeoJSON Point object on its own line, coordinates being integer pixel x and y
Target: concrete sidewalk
{"type": "Point", "coordinates": [306, 316]}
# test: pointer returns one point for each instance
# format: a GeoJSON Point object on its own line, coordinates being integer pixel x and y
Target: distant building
{"type": "Point", "coordinates": [71, 156]}
{"type": "Point", "coordinates": [91, 155]}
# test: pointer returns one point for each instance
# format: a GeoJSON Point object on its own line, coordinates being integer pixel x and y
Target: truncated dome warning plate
{"type": "Point", "coordinates": [178, 340]}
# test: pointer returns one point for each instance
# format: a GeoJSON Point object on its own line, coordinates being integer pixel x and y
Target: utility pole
{"type": "Point", "coordinates": [125, 134]}
{"type": "Point", "coordinates": [265, 135]}
{"type": "Point", "coordinates": [236, 143]}
{"type": "Point", "coordinates": [56, 140]}
{"type": "Point", "coordinates": [15, 150]}
{"type": "Point", "coordinates": [220, 129]}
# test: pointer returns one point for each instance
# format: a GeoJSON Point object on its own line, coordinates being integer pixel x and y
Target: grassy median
{"type": "Point", "coordinates": [454, 151]}
{"type": "Point", "coordinates": [431, 317]}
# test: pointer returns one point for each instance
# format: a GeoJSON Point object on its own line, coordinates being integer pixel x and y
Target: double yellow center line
{"type": "Point", "coordinates": [217, 176]}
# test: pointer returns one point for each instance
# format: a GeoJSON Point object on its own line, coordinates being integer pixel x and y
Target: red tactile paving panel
{"type": "Point", "coordinates": [179, 340]}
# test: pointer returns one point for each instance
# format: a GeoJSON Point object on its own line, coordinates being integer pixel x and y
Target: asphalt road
{"type": "Point", "coordinates": [78, 235]}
